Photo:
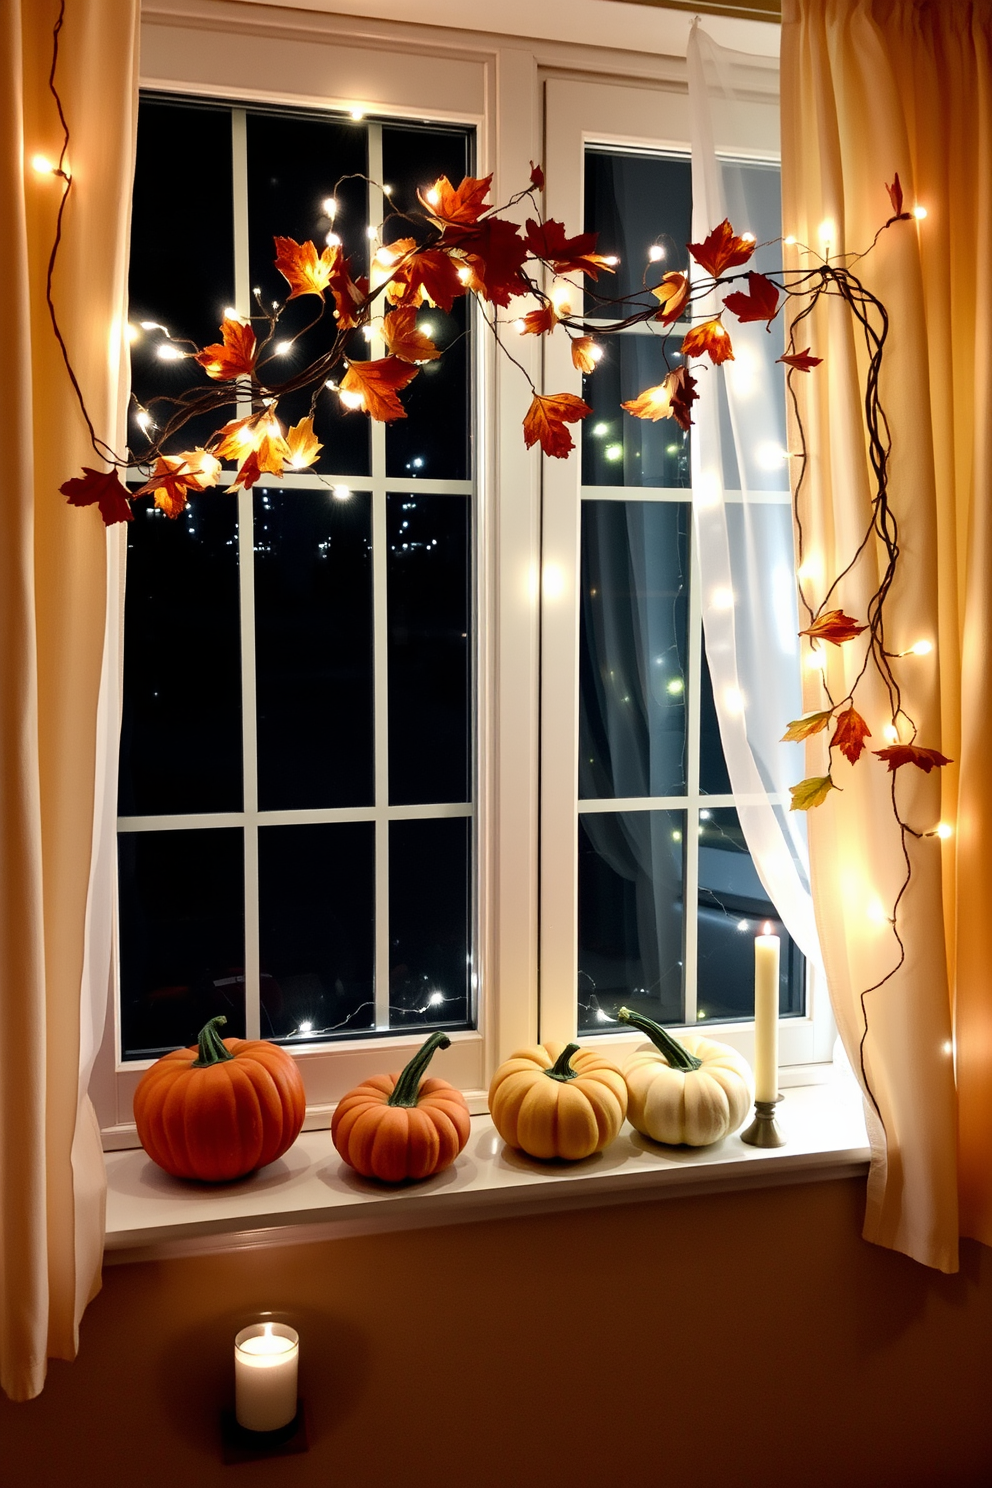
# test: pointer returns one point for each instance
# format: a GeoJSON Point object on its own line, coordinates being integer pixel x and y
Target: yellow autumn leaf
{"type": "Point", "coordinates": [811, 792]}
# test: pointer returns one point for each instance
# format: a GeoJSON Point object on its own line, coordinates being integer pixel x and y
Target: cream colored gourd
{"type": "Point", "coordinates": [558, 1101]}
{"type": "Point", "coordinates": [690, 1091]}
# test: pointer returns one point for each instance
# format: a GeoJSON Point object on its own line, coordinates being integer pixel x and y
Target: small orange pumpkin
{"type": "Point", "coordinates": [393, 1127]}
{"type": "Point", "coordinates": [221, 1108]}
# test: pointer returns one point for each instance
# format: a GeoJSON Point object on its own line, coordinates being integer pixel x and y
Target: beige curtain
{"type": "Point", "coordinates": [58, 661]}
{"type": "Point", "coordinates": [871, 87]}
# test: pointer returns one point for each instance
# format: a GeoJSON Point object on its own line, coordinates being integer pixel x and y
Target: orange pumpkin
{"type": "Point", "coordinates": [221, 1108]}
{"type": "Point", "coordinates": [393, 1127]}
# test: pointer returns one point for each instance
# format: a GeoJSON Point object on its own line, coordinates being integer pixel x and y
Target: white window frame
{"type": "Point", "coordinates": [417, 59]}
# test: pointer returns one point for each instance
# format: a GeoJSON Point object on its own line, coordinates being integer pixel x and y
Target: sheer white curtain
{"type": "Point", "coordinates": [741, 505]}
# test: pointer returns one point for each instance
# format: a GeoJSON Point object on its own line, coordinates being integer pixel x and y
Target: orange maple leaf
{"type": "Point", "coordinates": [268, 453]}
{"type": "Point", "coordinates": [302, 444]}
{"type": "Point", "coordinates": [709, 337]}
{"type": "Point", "coordinates": [105, 489]}
{"type": "Point", "coordinates": [722, 250]}
{"type": "Point", "coordinates": [673, 292]}
{"type": "Point", "coordinates": [801, 361]}
{"type": "Point", "coordinates": [835, 626]}
{"type": "Point", "coordinates": [850, 734]}
{"type": "Point", "coordinates": [654, 403]}
{"type": "Point", "coordinates": [546, 418]}
{"type": "Point", "coordinates": [399, 331]}
{"type": "Point", "coordinates": [760, 302]}
{"type": "Point", "coordinates": [537, 322]}
{"type": "Point", "coordinates": [412, 274]}
{"type": "Point", "coordinates": [584, 356]}
{"type": "Point", "coordinates": [237, 355]}
{"type": "Point", "coordinates": [372, 387]}
{"type": "Point", "coordinates": [464, 203]}
{"type": "Point", "coordinates": [302, 269]}
{"type": "Point", "coordinates": [898, 755]}
{"type": "Point", "coordinates": [235, 439]}
{"type": "Point", "coordinates": [175, 476]}
{"type": "Point", "coordinates": [806, 727]}
{"type": "Point", "coordinates": [547, 241]}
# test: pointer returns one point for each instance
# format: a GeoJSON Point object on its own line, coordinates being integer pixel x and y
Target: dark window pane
{"type": "Point", "coordinates": [631, 871]}
{"type": "Point", "coordinates": [635, 588]}
{"type": "Point", "coordinates": [636, 202]}
{"type": "Point", "coordinates": [428, 567]}
{"type": "Point", "coordinates": [713, 777]}
{"type": "Point", "coordinates": [430, 942]}
{"type": "Point", "coordinates": [733, 906]}
{"type": "Point", "coordinates": [182, 936]}
{"type": "Point", "coordinates": [313, 649]}
{"type": "Point", "coordinates": [432, 441]}
{"type": "Point", "coordinates": [294, 164]}
{"type": "Point", "coordinates": [316, 887]}
{"type": "Point", "coordinates": [179, 278]}
{"type": "Point", "coordinates": [181, 724]}
{"type": "Point", "coordinates": [617, 448]}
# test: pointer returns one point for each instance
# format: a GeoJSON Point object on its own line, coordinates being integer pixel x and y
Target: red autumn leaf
{"type": "Point", "coordinates": [546, 418]}
{"type": "Point", "coordinates": [463, 203]}
{"type": "Point", "coordinates": [372, 387]}
{"type": "Point", "coordinates": [105, 488]}
{"type": "Point", "coordinates": [760, 302]}
{"type": "Point", "coordinates": [895, 197]}
{"type": "Point", "coordinates": [683, 390]}
{"type": "Point", "coordinates": [249, 473]}
{"type": "Point", "coordinates": [303, 270]}
{"type": "Point", "coordinates": [536, 177]}
{"type": "Point", "coordinates": [673, 292]}
{"type": "Point", "coordinates": [539, 322]}
{"type": "Point", "coordinates": [898, 755]}
{"type": "Point", "coordinates": [800, 361]}
{"type": "Point", "coordinates": [835, 626]}
{"type": "Point", "coordinates": [709, 337]}
{"type": "Point", "coordinates": [493, 254]}
{"type": "Point", "coordinates": [235, 358]}
{"type": "Point", "coordinates": [348, 294]}
{"type": "Point", "coordinates": [584, 356]}
{"type": "Point", "coordinates": [547, 241]}
{"type": "Point", "coordinates": [722, 250]}
{"type": "Point", "coordinates": [403, 340]}
{"type": "Point", "coordinates": [850, 734]}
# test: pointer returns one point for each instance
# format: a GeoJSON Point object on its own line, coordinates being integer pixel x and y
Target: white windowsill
{"type": "Point", "coordinates": [310, 1195]}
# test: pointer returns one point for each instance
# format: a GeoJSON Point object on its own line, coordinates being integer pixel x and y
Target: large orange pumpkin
{"type": "Point", "coordinates": [221, 1108]}
{"type": "Point", "coordinates": [393, 1127]}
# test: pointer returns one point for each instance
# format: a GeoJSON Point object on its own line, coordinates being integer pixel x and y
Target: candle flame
{"type": "Point", "coordinates": [766, 928]}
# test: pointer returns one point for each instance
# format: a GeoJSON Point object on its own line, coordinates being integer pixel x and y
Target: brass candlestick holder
{"type": "Point", "coordinates": [764, 1130]}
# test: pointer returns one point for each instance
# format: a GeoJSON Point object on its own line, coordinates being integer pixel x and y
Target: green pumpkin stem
{"type": "Point", "coordinates": [562, 1067]}
{"type": "Point", "coordinates": [677, 1054]}
{"type": "Point", "coordinates": [211, 1044]}
{"type": "Point", "coordinates": [407, 1090]}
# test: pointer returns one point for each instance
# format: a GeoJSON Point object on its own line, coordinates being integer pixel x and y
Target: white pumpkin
{"type": "Point", "coordinates": [690, 1091]}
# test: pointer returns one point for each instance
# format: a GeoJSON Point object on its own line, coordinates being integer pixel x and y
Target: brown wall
{"type": "Point", "coordinates": [733, 1341]}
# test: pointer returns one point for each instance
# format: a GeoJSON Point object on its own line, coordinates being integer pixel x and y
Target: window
{"type": "Point", "coordinates": [457, 833]}
{"type": "Point", "coordinates": [297, 773]}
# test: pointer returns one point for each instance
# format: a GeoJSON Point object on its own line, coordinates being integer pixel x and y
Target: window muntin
{"type": "Point", "coordinates": [648, 733]}
{"type": "Point", "coordinates": [303, 603]}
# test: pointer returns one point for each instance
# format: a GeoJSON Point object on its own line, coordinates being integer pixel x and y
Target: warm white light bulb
{"type": "Point", "coordinates": [357, 113]}
{"type": "Point", "coordinates": [890, 733]}
{"type": "Point", "coordinates": [612, 260]}
{"type": "Point", "coordinates": [675, 687]}
{"type": "Point", "coordinates": [329, 207]}
{"type": "Point", "coordinates": [332, 240]}
{"type": "Point", "coordinates": [596, 352]}
{"type": "Point", "coordinates": [919, 213]}
{"type": "Point", "coordinates": [944, 830]}
{"type": "Point", "coordinates": [465, 274]}
{"type": "Point", "coordinates": [282, 348]}
{"type": "Point", "coordinates": [921, 648]}
{"type": "Point", "coordinates": [387, 190]}
{"type": "Point", "coordinates": [748, 237]}
{"type": "Point", "coordinates": [42, 165]}
{"type": "Point", "coordinates": [132, 332]}
{"type": "Point", "coordinates": [827, 230]}
{"type": "Point", "coordinates": [168, 353]}
{"type": "Point", "coordinates": [371, 232]}
{"type": "Point", "coordinates": [143, 419]}
{"type": "Point", "coordinates": [231, 314]}
{"type": "Point", "coordinates": [520, 326]}
{"type": "Point", "coordinates": [790, 241]}
{"type": "Point", "coordinates": [656, 253]}
{"type": "Point", "coordinates": [341, 493]}
{"type": "Point", "coordinates": [875, 910]}
{"type": "Point", "coordinates": [433, 196]}
{"type": "Point", "coordinates": [426, 328]}
{"type": "Point", "coordinates": [817, 661]}
{"type": "Point", "coordinates": [350, 400]}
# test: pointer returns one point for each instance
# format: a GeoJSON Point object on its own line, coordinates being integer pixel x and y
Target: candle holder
{"type": "Point", "coordinates": [764, 1130]}
{"type": "Point", "coordinates": [238, 1444]}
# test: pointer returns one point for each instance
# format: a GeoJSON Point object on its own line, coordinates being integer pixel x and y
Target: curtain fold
{"type": "Point", "coordinates": [59, 620]}
{"type": "Point", "coordinates": [741, 509]}
{"type": "Point", "coordinates": [871, 87]}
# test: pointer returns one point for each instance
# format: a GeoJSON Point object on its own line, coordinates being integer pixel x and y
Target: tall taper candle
{"type": "Point", "coordinates": [266, 1356]}
{"type": "Point", "coordinates": [766, 950]}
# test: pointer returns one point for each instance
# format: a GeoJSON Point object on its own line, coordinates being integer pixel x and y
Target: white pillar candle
{"type": "Point", "coordinates": [766, 951]}
{"type": "Point", "coordinates": [266, 1361]}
